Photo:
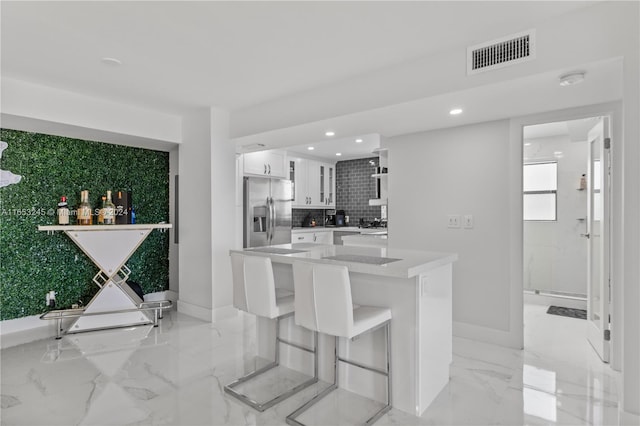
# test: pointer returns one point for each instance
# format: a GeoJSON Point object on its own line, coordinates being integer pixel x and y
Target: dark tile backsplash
{"type": "Point", "coordinates": [298, 215]}
{"type": "Point", "coordinates": [354, 188]}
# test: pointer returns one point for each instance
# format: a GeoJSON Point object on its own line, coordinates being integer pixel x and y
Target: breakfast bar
{"type": "Point", "coordinates": [415, 285]}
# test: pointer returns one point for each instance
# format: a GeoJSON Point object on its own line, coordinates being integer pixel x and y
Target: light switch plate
{"type": "Point", "coordinates": [454, 221]}
{"type": "Point", "coordinates": [467, 221]}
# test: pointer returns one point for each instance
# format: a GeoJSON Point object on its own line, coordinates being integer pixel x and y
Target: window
{"type": "Point", "coordinates": [540, 187]}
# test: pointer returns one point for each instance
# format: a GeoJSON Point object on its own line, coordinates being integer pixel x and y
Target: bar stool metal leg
{"type": "Point", "coordinates": [291, 418]}
{"type": "Point", "coordinates": [273, 401]}
{"type": "Point", "coordinates": [387, 407]}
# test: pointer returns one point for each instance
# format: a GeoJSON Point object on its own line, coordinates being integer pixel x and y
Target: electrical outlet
{"type": "Point", "coordinates": [454, 221]}
{"type": "Point", "coordinates": [467, 221]}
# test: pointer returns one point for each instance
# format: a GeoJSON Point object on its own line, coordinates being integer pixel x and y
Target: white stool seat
{"type": "Point", "coordinates": [367, 317]}
{"type": "Point", "coordinates": [323, 304]}
{"type": "Point", "coordinates": [254, 291]}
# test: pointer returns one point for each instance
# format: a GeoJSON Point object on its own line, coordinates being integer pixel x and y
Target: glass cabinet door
{"type": "Point", "coordinates": [331, 186]}
{"type": "Point", "coordinates": [292, 178]}
{"type": "Point", "coordinates": [322, 199]}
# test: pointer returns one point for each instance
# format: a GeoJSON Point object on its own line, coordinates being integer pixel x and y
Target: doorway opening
{"type": "Point", "coordinates": [566, 168]}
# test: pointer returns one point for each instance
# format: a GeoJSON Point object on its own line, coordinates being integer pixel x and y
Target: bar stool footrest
{"type": "Point", "coordinates": [261, 406]}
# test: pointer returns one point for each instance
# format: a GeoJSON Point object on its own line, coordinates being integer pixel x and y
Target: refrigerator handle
{"type": "Point", "coordinates": [273, 220]}
{"type": "Point", "coordinates": [268, 221]}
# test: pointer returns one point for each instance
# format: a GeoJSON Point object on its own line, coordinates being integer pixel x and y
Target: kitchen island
{"type": "Point", "coordinates": [415, 285]}
{"type": "Point", "coordinates": [366, 240]}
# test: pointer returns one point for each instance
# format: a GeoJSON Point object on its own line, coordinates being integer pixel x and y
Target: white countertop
{"type": "Point", "coordinates": [312, 229]}
{"type": "Point", "coordinates": [411, 263]}
{"type": "Point", "coordinates": [104, 227]}
{"type": "Point", "coordinates": [371, 239]}
{"type": "Point", "coordinates": [338, 228]}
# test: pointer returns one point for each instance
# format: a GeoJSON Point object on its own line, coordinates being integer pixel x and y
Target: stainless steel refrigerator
{"type": "Point", "coordinates": [267, 212]}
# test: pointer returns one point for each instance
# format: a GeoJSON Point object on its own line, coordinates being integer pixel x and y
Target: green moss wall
{"type": "Point", "coordinates": [32, 262]}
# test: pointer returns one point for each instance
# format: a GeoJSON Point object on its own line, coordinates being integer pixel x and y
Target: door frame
{"type": "Point", "coordinates": [596, 333]}
{"type": "Point", "coordinates": [516, 157]}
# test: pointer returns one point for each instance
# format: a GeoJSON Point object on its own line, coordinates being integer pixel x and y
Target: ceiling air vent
{"type": "Point", "coordinates": [502, 52]}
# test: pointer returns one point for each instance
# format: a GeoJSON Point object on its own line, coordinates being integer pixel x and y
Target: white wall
{"type": "Point", "coordinates": [223, 218]}
{"type": "Point", "coordinates": [207, 222]}
{"type": "Point", "coordinates": [462, 170]}
{"type": "Point", "coordinates": [174, 258]}
{"type": "Point", "coordinates": [563, 43]}
{"type": "Point", "coordinates": [60, 112]}
{"type": "Point", "coordinates": [195, 253]}
{"type": "Point", "coordinates": [555, 255]}
{"type": "Point", "coordinates": [631, 221]}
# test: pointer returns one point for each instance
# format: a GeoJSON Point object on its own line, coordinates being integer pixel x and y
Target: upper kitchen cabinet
{"type": "Point", "coordinates": [327, 185]}
{"type": "Point", "coordinates": [382, 178]}
{"type": "Point", "coordinates": [266, 163]}
{"type": "Point", "coordinates": [314, 183]}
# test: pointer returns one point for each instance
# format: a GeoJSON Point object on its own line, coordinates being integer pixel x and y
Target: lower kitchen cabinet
{"type": "Point", "coordinates": [317, 236]}
{"type": "Point", "coordinates": [324, 237]}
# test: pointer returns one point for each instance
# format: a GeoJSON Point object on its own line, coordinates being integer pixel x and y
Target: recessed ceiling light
{"type": "Point", "coordinates": [558, 154]}
{"type": "Point", "coordinates": [527, 144]}
{"type": "Point", "coordinates": [572, 78]}
{"type": "Point", "coordinates": [310, 148]}
{"type": "Point", "coordinates": [455, 111]}
{"type": "Point", "coordinates": [111, 62]}
{"type": "Point", "coordinates": [338, 154]}
{"type": "Point", "coordinates": [358, 140]}
{"type": "Point", "coordinates": [330, 133]}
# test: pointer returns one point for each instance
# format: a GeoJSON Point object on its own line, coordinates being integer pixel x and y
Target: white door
{"type": "Point", "coordinates": [598, 290]}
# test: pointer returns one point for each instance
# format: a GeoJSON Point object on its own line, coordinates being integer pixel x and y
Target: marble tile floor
{"type": "Point", "coordinates": [174, 375]}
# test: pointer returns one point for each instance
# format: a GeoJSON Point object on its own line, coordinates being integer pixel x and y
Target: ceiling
{"type": "Point", "coordinates": [176, 56]}
{"type": "Point", "coordinates": [577, 130]}
{"type": "Point", "coordinates": [349, 148]}
{"type": "Point", "coordinates": [517, 97]}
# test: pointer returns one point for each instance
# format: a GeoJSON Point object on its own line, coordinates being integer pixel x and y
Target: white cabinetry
{"type": "Point", "coordinates": [327, 185]}
{"type": "Point", "coordinates": [314, 183]}
{"type": "Point", "coordinates": [323, 237]}
{"type": "Point", "coordinates": [265, 163]}
{"type": "Point", "coordinates": [302, 173]}
{"type": "Point", "coordinates": [382, 179]}
{"type": "Point", "coordinates": [302, 237]}
{"type": "Point", "coordinates": [317, 236]}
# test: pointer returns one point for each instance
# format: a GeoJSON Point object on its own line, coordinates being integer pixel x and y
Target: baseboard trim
{"type": "Point", "coordinates": [486, 335]}
{"type": "Point", "coordinates": [628, 419]}
{"type": "Point", "coordinates": [18, 331]}
{"type": "Point", "coordinates": [547, 299]}
{"type": "Point", "coordinates": [29, 329]}
{"type": "Point", "coordinates": [199, 312]}
{"type": "Point", "coordinates": [224, 312]}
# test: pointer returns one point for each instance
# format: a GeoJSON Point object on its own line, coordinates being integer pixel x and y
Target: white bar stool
{"type": "Point", "coordinates": [254, 291]}
{"type": "Point", "coordinates": [323, 304]}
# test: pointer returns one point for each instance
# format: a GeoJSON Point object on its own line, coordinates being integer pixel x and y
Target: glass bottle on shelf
{"type": "Point", "coordinates": [84, 209]}
{"type": "Point", "coordinates": [109, 211]}
{"type": "Point", "coordinates": [101, 212]}
{"type": "Point", "coordinates": [63, 211]}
